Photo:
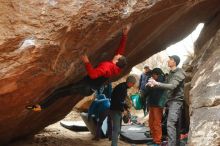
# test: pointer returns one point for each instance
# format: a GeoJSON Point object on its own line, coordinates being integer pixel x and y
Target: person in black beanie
{"type": "Point", "coordinates": [175, 97]}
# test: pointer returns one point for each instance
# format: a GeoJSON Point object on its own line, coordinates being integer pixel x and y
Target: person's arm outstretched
{"type": "Point", "coordinates": [121, 48]}
{"type": "Point", "coordinates": [170, 86]}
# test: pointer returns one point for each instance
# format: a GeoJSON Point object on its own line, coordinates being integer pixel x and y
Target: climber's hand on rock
{"type": "Point", "coordinates": [126, 29]}
{"type": "Point", "coordinates": [85, 58]}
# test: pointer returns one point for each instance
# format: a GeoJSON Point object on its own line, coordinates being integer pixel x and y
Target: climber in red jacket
{"type": "Point", "coordinates": [94, 80]}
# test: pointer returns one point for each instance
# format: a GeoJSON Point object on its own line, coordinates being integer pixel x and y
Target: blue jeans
{"type": "Point", "coordinates": [109, 120]}
{"type": "Point", "coordinates": [116, 121]}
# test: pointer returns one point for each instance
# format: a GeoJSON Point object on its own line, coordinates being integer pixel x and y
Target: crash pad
{"type": "Point", "coordinates": [134, 134]}
{"type": "Point", "coordinates": [74, 125]}
{"type": "Point", "coordinates": [91, 124]}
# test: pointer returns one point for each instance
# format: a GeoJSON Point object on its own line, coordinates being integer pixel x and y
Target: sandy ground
{"type": "Point", "coordinates": [56, 135]}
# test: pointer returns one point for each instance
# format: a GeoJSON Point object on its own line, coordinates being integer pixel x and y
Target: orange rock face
{"type": "Point", "coordinates": [41, 43]}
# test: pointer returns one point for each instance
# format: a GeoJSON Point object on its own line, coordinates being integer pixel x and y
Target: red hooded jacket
{"type": "Point", "coordinates": [107, 69]}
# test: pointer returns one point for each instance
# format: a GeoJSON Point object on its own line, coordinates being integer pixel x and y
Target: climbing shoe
{"type": "Point", "coordinates": [36, 108]}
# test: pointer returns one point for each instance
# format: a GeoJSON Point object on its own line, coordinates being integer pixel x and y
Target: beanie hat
{"type": "Point", "coordinates": [146, 66]}
{"type": "Point", "coordinates": [131, 79]}
{"type": "Point", "coordinates": [121, 62]}
{"type": "Point", "coordinates": [157, 71]}
{"type": "Point", "coordinates": [175, 58]}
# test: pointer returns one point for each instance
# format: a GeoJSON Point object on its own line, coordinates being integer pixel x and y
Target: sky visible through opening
{"type": "Point", "coordinates": [183, 49]}
{"type": "Point", "coordinates": [185, 46]}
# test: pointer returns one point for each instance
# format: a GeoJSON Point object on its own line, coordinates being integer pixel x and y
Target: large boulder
{"type": "Point", "coordinates": [205, 92]}
{"type": "Point", "coordinates": [41, 41]}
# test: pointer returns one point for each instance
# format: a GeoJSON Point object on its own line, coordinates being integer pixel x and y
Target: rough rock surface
{"type": "Point", "coordinates": [205, 93]}
{"type": "Point", "coordinates": [41, 41]}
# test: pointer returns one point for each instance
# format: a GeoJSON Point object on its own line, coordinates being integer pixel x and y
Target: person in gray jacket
{"type": "Point", "coordinates": [175, 98]}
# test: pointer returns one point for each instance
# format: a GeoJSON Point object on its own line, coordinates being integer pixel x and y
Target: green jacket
{"type": "Point", "coordinates": [175, 85]}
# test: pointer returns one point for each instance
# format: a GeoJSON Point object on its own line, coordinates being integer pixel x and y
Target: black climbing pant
{"type": "Point", "coordinates": [82, 89]}
{"type": "Point", "coordinates": [85, 87]}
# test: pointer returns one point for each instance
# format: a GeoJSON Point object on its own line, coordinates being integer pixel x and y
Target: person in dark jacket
{"type": "Point", "coordinates": [142, 82]}
{"type": "Point", "coordinates": [175, 97]}
{"type": "Point", "coordinates": [155, 104]}
{"type": "Point", "coordinates": [118, 106]}
{"type": "Point", "coordinates": [94, 80]}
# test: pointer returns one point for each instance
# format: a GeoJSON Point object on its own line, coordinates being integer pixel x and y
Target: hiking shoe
{"type": "Point", "coordinates": [36, 108]}
{"type": "Point", "coordinates": [164, 143]}
{"type": "Point", "coordinates": [147, 134]}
